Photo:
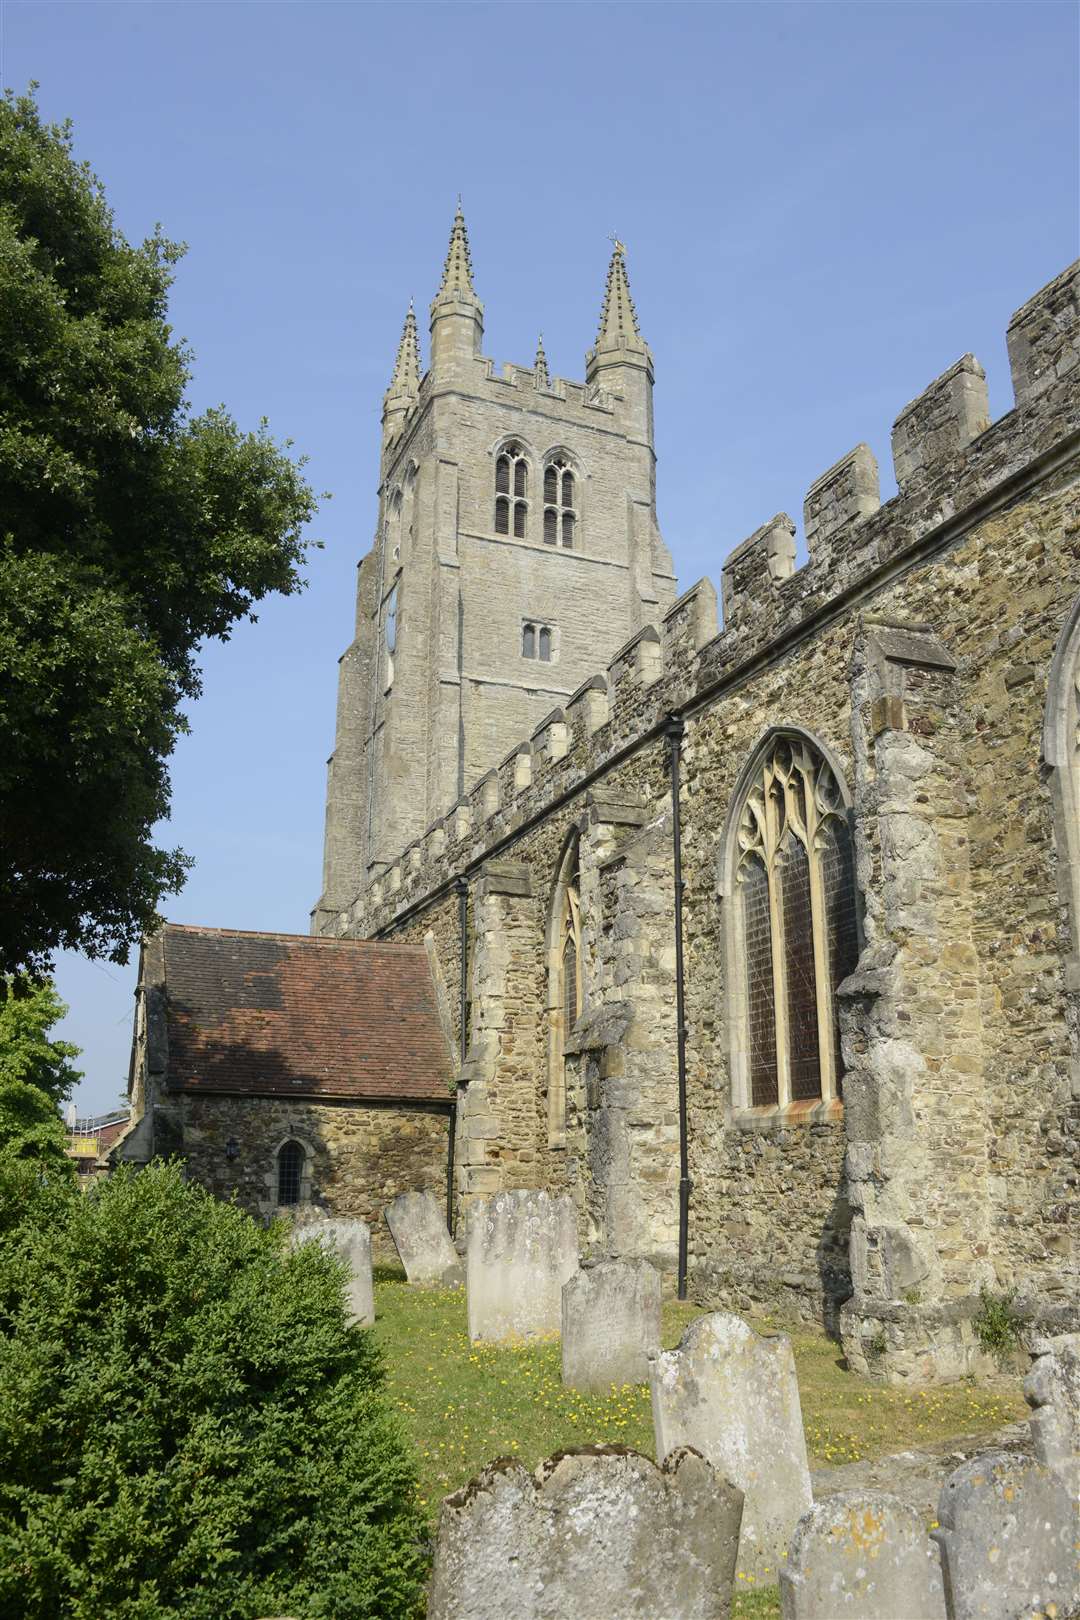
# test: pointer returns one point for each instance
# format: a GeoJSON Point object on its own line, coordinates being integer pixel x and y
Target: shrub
{"type": "Point", "coordinates": [188, 1425]}
{"type": "Point", "coordinates": [998, 1323]}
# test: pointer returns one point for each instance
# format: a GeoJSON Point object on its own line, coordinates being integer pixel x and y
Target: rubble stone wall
{"type": "Point", "coordinates": [358, 1155]}
{"type": "Point", "coordinates": [980, 550]}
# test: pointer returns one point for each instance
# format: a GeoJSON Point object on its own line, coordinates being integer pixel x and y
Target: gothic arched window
{"type": "Point", "coordinates": [795, 934]}
{"type": "Point", "coordinates": [566, 997]}
{"type": "Point", "coordinates": [1061, 753]}
{"type": "Point", "coordinates": [408, 515]}
{"type": "Point", "coordinates": [512, 476]}
{"type": "Point", "coordinates": [560, 504]}
{"type": "Point", "coordinates": [290, 1172]}
{"type": "Point", "coordinates": [393, 526]}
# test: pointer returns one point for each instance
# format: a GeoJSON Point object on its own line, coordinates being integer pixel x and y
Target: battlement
{"type": "Point", "coordinates": [501, 382]}
{"type": "Point", "coordinates": [950, 462]}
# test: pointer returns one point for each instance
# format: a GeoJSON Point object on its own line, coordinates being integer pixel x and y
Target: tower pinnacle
{"type": "Point", "coordinates": [540, 365]}
{"type": "Point", "coordinates": [618, 318]}
{"type": "Point", "coordinates": [457, 271]}
{"type": "Point", "coordinates": [406, 378]}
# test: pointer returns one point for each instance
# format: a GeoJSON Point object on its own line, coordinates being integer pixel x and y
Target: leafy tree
{"type": "Point", "coordinates": [129, 532]}
{"type": "Point", "coordinates": [26, 1052]}
{"type": "Point", "coordinates": [188, 1426]}
{"type": "Point", "coordinates": [36, 1076]}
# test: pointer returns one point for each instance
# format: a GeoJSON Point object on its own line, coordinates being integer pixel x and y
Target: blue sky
{"type": "Point", "coordinates": [824, 206]}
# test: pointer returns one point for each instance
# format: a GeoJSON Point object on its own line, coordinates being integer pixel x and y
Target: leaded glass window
{"type": "Point", "coordinates": [796, 908]}
{"type": "Point", "coordinates": [566, 998]}
{"type": "Point", "coordinates": [290, 1170]}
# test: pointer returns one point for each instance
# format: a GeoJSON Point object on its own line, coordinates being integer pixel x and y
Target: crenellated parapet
{"type": "Point", "coordinates": [952, 465]}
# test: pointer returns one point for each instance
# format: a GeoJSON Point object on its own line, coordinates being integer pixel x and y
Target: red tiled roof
{"type": "Point", "coordinates": [287, 1013]}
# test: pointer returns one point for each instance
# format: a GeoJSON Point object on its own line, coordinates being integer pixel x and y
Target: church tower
{"type": "Point", "coordinates": [517, 548]}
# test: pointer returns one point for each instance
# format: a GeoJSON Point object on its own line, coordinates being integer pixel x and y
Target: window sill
{"type": "Point", "coordinates": [774, 1118]}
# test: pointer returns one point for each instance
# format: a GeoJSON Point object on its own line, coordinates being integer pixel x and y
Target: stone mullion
{"type": "Point", "coordinates": [819, 920]}
{"type": "Point", "coordinates": [771, 842]}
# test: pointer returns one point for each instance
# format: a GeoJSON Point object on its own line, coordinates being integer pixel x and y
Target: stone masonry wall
{"type": "Point", "coordinates": [359, 1155]}
{"type": "Point", "coordinates": [980, 550]}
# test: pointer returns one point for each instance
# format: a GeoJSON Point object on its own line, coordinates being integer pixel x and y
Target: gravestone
{"type": "Point", "coordinates": [863, 1554]}
{"type": "Point", "coordinates": [732, 1394]}
{"type": "Point", "coordinates": [1010, 1540]}
{"type": "Point", "coordinates": [351, 1239]}
{"type": "Point", "coordinates": [1052, 1389]}
{"type": "Point", "coordinates": [600, 1532]}
{"type": "Point", "coordinates": [418, 1228]}
{"type": "Point", "coordinates": [610, 1324]}
{"type": "Point", "coordinates": [521, 1248]}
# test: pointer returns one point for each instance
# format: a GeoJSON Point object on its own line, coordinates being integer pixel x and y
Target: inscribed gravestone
{"type": "Point", "coordinates": [862, 1554]}
{"type": "Point", "coordinates": [521, 1248]}
{"type": "Point", "coordinates": [1010, 1540]}
{"type": "Point", "coordinates": [610, 1324]}
{"type": "Point", "coordinates": [1052, 1388]}
{"type": "Point", "coordinates": [601, 1532]}
{"type": "Point", "coordinates": [424, 1248]}
{"type": "Point", "coordinates": [732, 1394]}
{"type": "Point", "coordinates": [351, 1239]}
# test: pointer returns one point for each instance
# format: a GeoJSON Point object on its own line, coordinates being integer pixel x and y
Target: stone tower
{"type": "Point", "coordinates": [517, 548]}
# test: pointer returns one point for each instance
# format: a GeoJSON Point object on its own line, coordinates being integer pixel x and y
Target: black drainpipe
{"type": "Point", "coordinates": [673, 730]}
{"type": "Point", "coordinates": [462, 886]}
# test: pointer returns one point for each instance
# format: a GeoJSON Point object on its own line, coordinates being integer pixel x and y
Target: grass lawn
{"type": "Point", "coordinates": [467, 1404]}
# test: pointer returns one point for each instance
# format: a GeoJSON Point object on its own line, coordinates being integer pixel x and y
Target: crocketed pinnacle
{"type": "Point", "coordinates": [618, 318]}
{"type": "Point", "coordinates": [457, 271]}
{"type": "Point", "coordinates": [540, 365]}
{"type": "Point", "coordinates": [406, 378]}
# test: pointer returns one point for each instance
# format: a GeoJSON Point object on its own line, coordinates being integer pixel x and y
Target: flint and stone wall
{"type": "Point", "coordinates": [358, 1156]}
{"type": "Point", "coordinates": [915, 648]}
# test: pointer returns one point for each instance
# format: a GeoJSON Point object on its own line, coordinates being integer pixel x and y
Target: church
{"type": "Point", "coordinates": [752, 923]}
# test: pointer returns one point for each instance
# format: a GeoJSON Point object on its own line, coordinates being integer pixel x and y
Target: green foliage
{"type": "Point", "coordinates": [26, 1052]}
{"type": "Point", "coordinates": [998, 1323]}
{"type": "Point", "coordinates": [36, 1076]}
{"type": "Point", "coordinates": [129, 532]}
{"type": "Point", "coordinates": [188, 1426]}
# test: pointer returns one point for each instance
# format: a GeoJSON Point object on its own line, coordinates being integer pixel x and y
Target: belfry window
{"type": "Point", "coordinates": [290, 1172]}
{"type": "Point", "coordinates": [512, 480]}
{"type": "Point", "coordinates": [560, 504]}
{"type": "Point", "coordinates": [536, 641]}
{"type": "Point", "coordinates": [796, 924]}
{"type": "Point", "coordinates": [390, 628]}
{"type": "Point", "coordinates": [566, 1000]}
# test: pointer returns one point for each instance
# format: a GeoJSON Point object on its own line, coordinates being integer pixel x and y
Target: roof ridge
{"type": "Point", "coordinates": [309, 939]}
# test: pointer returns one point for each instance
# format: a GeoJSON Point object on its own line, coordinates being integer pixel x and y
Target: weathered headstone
{"type": "Point", "coordinates": [521, 1248]}
{"type": "Point", "coordinates": [733, 1395]}
{"type": "Point", "coordinates": [1052, 1389]}
{"type": "Point", "coordinates": [418, 1228]}
{"type": "Point", "coordinates": [865, 1555]}
{"type": "Point", "coordinates": [601, 1532]}
{"type": "Point", "coordinates": [352, 1241]}
{"type": "Point", "coordinates": [610, 1324]}
{"type": "Point", "coordinates": [1010, 1540]}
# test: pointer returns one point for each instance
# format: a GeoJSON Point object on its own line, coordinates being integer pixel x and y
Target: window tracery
{"type": "Point", "coordinates": [1061, 755]}
{"type": "Point", "coordinates": [511, 491]}
{"type": "Point", "coordinates": [560, 503]}
{"type": "Point", "coordinates": [794, 895]}
{"type": "Point", "coordinates": [566, 998]}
